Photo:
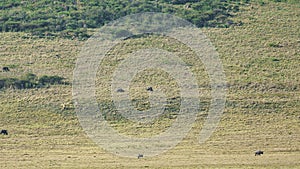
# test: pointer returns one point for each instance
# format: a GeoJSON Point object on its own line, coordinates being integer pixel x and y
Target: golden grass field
{"type": "Point", "coordinates": [261, 61]}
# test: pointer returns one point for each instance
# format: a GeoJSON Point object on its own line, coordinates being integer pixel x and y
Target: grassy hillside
{"type": "Point", "coordinates": [261, 61]}
{"type": "Point", "coordinates": [73, 18]}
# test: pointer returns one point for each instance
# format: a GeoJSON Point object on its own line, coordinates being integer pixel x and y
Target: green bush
{"type": "Point", "coordinates": [67, 18]}
{"type": "Point", "coordinates": [30, 80]}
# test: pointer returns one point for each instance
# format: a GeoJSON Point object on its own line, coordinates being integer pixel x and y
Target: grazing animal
{"type": "Point", "coordinates": [120, 90]}
{"type": "Point", "coordinates": [5, 69]}
{"type": "Point", "coordinates": [258, 153]}
{"type": "Point", "coordinates": [140, 155]}
{"type": "Point", "coordinates": [150, 89]}
{"type": "Point", "coordinates": [4, 132]}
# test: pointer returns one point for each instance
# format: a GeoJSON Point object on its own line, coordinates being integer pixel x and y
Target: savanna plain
{"type": "Point", "coordinates": [260, 58]}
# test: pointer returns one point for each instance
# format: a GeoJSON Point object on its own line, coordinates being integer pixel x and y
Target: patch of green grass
{"type": "Point", "coordinates": [275, 45]}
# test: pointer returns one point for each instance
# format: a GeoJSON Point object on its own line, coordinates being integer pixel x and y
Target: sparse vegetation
{"type": "Point", "coordinates": [30, 81]}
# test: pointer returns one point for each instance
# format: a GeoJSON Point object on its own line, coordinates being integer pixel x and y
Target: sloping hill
{"type": "Point", "coordinates": [261, 63]}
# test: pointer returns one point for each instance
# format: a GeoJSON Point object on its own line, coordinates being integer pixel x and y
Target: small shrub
{"type": "Point", "coordinates": [23, 84]}
{"type": "Point", "coordinates": [50, 80]}
{"type": "Point", "coordinates": [275, 45]}
{"type": "Point", "coordinates": [30, 77]}
{"type": "Point", "coordinates": [275, 60]}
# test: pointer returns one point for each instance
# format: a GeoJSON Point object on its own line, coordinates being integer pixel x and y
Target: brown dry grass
{"type": "Point", "coordinates": [262, 109]}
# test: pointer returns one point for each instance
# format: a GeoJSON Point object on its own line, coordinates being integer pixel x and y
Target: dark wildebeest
{"type": "Point", "coordinates": [120, 90]}
{"type": "Point", "coordinates": [4, 132]}
{"type": "Point", "coordinates": [258, 153]}
{"type": "Point", "coordinates": [150, 89]}
{"type": "Point", "coordinates": [5, 69]}
{"type": "Point", "coordinates": [140, 155]}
